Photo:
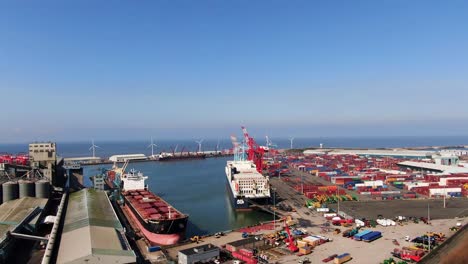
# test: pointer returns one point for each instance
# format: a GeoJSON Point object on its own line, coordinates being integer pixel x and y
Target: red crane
{"type": "Point", "coordinates": [255, 152]}
{"type": "Point", "coordinates": [22, 159]}
{"type": "Point", "coordinates": [6, 158]}
{"type": "Point", "coordinates": [292, 247]}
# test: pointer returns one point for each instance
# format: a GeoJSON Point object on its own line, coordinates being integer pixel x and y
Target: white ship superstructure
{"type": "Point", "coordinates": [245, 182]}
{"type": "Point", "coordinates": [132, 180]}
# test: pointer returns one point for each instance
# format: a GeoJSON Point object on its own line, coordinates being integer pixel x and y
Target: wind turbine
{"type": "Point", "coordinates": [199, 144]}
{"type": "Point", "coordinates": [217, 146]}
{"type": "Point", "coordinates": [292, 140]}
{"type": "Point", "coordinates": [93, 147]}
{"type": "Point", "coordinates": [269, 143]}
{"type": "Point", "coordinates": [152, 146]}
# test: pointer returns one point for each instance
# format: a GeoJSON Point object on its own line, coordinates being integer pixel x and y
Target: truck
{"type": "Point", "coordinates": [342, 258]}
{"type": "Point", "coordinates": [329, 258]}
{"type": "Point", "coordinates": [408, 254]}
{"type": "Point", "coordinates": [359, 235]}
{"type": "Point", "coordinates": [371, 236]}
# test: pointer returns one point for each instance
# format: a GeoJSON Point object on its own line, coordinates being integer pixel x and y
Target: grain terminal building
{"type": "Point", "coordinates": [92, 232]}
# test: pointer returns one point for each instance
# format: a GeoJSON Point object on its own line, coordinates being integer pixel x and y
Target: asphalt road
{"type": "Point", "coordinates": [418, 208]}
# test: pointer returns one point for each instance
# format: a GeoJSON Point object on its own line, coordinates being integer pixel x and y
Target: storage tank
{"type": "Point", "coordinates": [10, 191]}
{"type": "Point", "coordinates": [26, 189]}
{"type": "Point", "coordinates": [42, 189]}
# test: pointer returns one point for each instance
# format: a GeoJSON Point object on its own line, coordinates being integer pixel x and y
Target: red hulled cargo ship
{"type": "Point", "coordinates": [156, 219]}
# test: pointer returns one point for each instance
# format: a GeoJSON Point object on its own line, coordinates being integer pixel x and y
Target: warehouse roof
{"type": "Point", "coordinates": [237, 243]}
{"type": "Point", "coordinates": [127, 157]}
{"type": "Point", "coordinates": [92, 231]}
{"type": "Point", "coordinates": [372, 152]}
{"type": "Point", "coordinates": [82, 159]}
{"type": "Point", "coordinates": [198, 249]}
{"type": "Point", "coordinates": [434, 167]}
{"type": "Point", "coordinates": [12, 213]}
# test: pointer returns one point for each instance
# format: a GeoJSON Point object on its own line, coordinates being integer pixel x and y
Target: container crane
{"type": "Point", "coordinates": [292, 247]}
{"type": "Point", "coordinates": [115, 176]}
{"type": "Point", "coordinates": [255, 152]}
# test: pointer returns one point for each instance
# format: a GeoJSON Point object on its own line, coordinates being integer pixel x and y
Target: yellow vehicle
{"type": "Point", "coordinates": [195, 239]}
{"type": "Point", "coordinates": [437, 235]}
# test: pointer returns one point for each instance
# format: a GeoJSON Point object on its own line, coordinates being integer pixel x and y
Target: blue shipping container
{"type": "Point", "coordinates": [372, 236]}
{"type": "Point", "coordinates": [342, 255]}
{"type": "Point", "coordinates": [154, 248]}
{"type": "Point", "coordinates": [359, 235]}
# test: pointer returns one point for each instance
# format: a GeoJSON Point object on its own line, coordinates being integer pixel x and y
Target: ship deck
{"type": "Point", "coordinates": [151, 206]}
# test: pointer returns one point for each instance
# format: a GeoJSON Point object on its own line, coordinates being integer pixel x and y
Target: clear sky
{"type": "Point", "coordinates": [190, 69]}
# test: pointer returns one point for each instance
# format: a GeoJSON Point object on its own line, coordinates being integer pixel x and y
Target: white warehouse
{"type": "Point", "coordinates": [125, 157]}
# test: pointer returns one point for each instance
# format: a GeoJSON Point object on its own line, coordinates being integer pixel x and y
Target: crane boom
{"type": "Point", "coordinates": [292, 247]}
{"type": "Point", "coordinates": [254, 152]}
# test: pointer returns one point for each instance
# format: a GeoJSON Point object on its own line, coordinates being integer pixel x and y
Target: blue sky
{"type": "Point", "coordinates": [190, 69]}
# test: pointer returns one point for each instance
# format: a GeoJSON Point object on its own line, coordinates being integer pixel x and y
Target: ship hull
{"type": "Point", "coordinates": [153, 238]}
{"type": "Point", "coordinates": [238, 203]}
{"type": "Point", "coordinates": [157, 232]}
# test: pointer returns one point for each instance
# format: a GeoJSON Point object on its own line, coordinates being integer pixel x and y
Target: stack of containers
{"type": "Point", "coordinates": [410, 195]}
{"type": "Point", "coordinates": [245, 255]}
{"type": "Point", "coordinates": [305, 250]}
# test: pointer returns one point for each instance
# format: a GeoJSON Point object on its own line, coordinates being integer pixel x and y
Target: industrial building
{"type": "Point", "coordinates": [432, 167]}
{"type": "Point", "coordinates": [98, 182]}
{"type": "Point", "coordinates": [43, 159]}
{"type": "Point", "coordinates": [42, 155]}
{"type": "Point", "coordinates": [125, 157]}
{"type": "Point", "coordinates": [12, 190]}
{"type": "Point", "coordinates": [447, 159]}
{"type": "Point", "coordinates": [199, 254]}
{"type": "Point", "coordinates": [92, 232]}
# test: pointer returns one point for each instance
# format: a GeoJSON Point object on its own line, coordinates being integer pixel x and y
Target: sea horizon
{"type": "Point", "coordinates": [113, 147]}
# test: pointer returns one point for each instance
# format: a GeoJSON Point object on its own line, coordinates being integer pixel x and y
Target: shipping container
{"type": "Point", "coordinates": [359, 235]}
{"type": "Point", "coordinates": [305, 250]}
{"type": "Point", "coordinates": [342, 258]}
{"type": "Point", "coordinates": [249, 260]}
{"type": "Point", "coordinates": [371, 236]}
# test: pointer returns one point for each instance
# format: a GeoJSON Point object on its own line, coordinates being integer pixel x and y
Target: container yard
{"type": "Point", "coordinates": [357, 209]}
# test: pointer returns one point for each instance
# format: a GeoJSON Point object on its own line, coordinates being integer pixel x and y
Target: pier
{"type": "Point", "coordinates": [77, 162]}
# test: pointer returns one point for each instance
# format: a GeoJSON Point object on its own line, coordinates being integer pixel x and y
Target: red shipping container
{"type": "Point", "coordinates": [248, 260]}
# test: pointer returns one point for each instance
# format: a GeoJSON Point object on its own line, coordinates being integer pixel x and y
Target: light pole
{"type": "Point", "coordinates": [445, 194]}
{"type": "Point", "coordinates": [338, 211]}
{"type": "Point", "coordinates": [274, 208]}
{"type": "Point", "coordinates": [428, 219]}
{"type": "Point", "coordinates": [302, 183]}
